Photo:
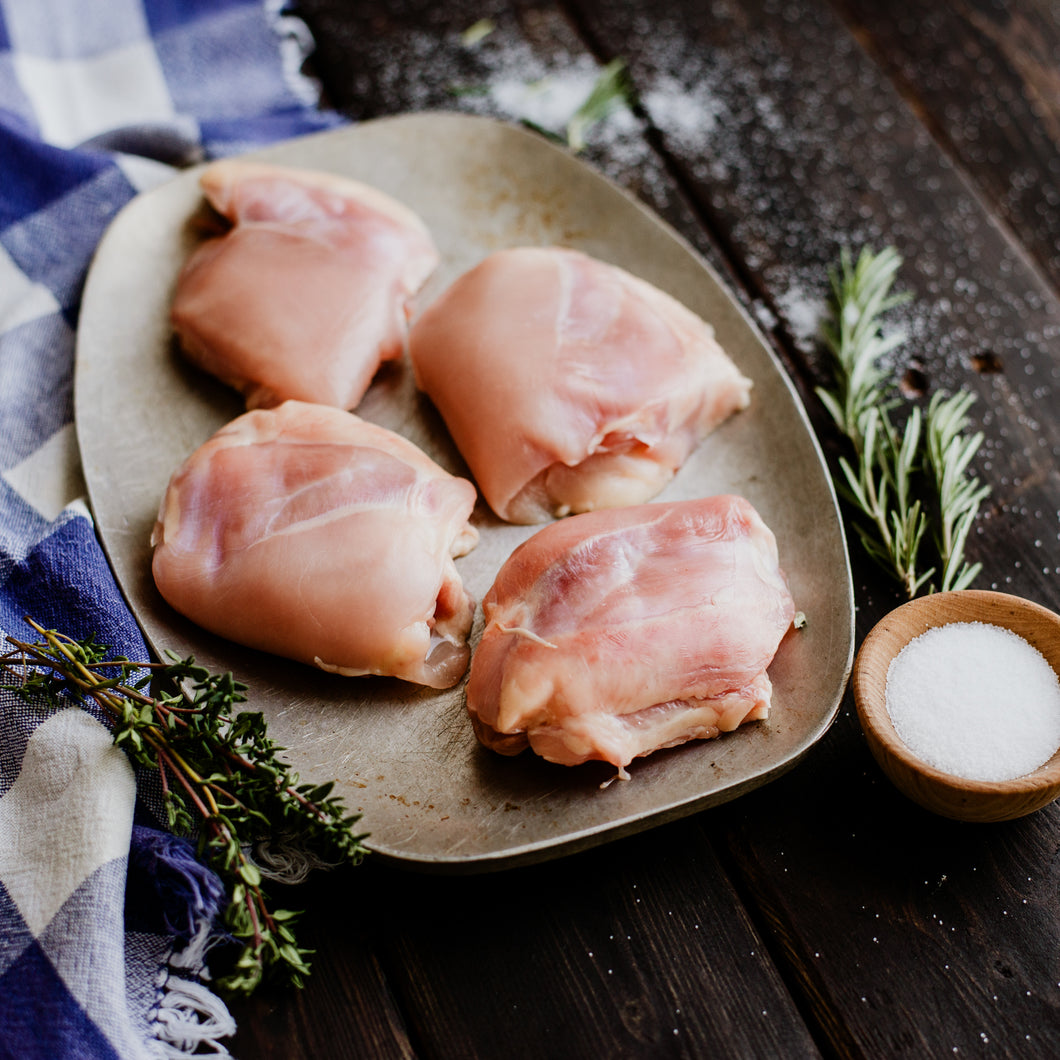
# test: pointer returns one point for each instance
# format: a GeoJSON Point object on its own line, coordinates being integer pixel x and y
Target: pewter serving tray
{"type": "Point", "coordinates": [405, 757]}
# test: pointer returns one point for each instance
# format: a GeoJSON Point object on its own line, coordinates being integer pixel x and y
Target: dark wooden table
{"type": "Point", "coordinates": [823, 914]}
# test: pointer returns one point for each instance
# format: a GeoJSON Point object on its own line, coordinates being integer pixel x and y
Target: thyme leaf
{"type": "Point", "coordinates": [221, 776]}
{"type": "Point", "coordinates": [901, 484]}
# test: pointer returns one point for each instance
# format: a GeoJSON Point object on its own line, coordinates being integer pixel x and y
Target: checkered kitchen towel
{"type": "Point", "coordinates": [102, 914]}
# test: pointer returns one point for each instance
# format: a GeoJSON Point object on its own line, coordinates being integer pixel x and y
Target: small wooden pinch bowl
{"type": "Point", "coordinates": [943, 793]}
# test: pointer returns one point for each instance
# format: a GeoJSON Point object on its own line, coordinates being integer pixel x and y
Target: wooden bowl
{"type": "Point", "coordinates": [943, 793]}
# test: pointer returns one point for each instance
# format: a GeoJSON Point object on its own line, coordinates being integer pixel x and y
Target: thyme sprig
{"type": "Point", "coordinates": [221, 776]}
{"type": "Point", "coordinates": [901, 482]}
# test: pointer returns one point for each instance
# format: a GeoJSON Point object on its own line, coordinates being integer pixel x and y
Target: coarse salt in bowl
{"type": "Point", "coordinates": [959, 697]}
{"type": "Point", "coordinates": [975, 700]}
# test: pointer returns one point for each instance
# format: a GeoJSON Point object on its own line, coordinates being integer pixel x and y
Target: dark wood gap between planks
{"type": "Point", "coordinates": [808, 993]}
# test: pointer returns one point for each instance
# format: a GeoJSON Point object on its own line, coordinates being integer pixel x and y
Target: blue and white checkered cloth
{"type": "Point", "coordinates": [103, 915]}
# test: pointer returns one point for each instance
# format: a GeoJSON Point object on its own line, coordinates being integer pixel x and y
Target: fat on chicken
{"type": "Point", "coordinates": [310, 533]}
{"type": "Point", "coordinates": [308, 291]}
{"type": "Point", "coordinates": [568, 384]}
{"type": "Point", "coordinates": [615, 633]}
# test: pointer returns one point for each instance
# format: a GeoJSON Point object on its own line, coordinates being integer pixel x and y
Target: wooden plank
{"type": "Point", "coordinates": [984, 77]}
{"type": "Point", "coordinates": [346, 1009]}
{"type": "Point", "coordinates": [905, 933]}
{"type": "Point", "coordinates": [635, 949]}
{"type": "Point", "coordinates": [908, 934]}
{"type": "Point", "coordinates": [639, 948]}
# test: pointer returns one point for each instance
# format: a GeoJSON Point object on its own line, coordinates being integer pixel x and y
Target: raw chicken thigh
{"type": "Point", "coordinates": [310, 533]}
{"type": "Point", "coordinates": [615, 633]}
{"type": "Point", "coordinates": [568, 384]}
{"type": "Point", "coordinates": [308, 291]}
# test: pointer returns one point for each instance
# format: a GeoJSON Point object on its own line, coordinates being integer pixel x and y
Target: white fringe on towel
{"type": "Point", "coordinates": [296, 45]}
{"type": "Point", "coordinates": [189, 1017]}
{"type": "Point", "coordinates": [191, 1020]}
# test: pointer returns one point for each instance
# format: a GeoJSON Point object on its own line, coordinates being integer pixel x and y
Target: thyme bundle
{"type": "Point", "coordinates": [221, 777]}
{"type": "Point", "coordinates": [901, 483]}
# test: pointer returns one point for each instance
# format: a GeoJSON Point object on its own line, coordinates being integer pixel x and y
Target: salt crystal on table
{"type": "Point", "coordinates": [976, 701]}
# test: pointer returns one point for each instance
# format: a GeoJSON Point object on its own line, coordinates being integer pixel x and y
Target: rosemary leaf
{"type": "Point", "coordinates": [477, 31]}
{"type": "Point", "coordinates": [610, 91]}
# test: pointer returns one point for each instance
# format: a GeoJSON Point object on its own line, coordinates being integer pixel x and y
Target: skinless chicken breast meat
{"type": "Point", "coordinates": [615, 633]}
{"type": "Point", "coordinates": [309, 533]}
{"type": "Point", "coordinates": [568, 384]}
{"type": "Point", "coordinates": [308, 292]}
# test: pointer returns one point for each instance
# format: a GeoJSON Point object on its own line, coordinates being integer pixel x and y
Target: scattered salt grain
{"type": "Point", "coordinates": [975, 701]}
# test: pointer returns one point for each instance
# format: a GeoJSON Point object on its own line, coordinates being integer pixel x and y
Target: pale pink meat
{"type": "Point", "coordinates": [568, 384]}
{"type": "Point", "coordinates": [308, 292]}
{"type": "Point", "coordinates": [615, 633]}
{"type": "Point", "coordinates": [310, 533]}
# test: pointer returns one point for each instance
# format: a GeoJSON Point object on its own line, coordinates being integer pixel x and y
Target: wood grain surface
{"type": "Point", "coordinates": [824, 914]}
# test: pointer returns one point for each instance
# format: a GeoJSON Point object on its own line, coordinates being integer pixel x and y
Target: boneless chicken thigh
{"type": "Point", "coordinates": [615, 633]}
{"type": "Point", "coordinates": [310, 533]}
{"type": "Point", "coordinates": [308, 291]}
{"type": "Point", "coordinates": [569, 384]}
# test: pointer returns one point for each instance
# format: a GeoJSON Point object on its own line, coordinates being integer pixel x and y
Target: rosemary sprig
{"type": "Point", "coordinates": [220, 773]}
{"type": "Point", "coordinates": [861, 294]}
{"type": "Point", "coordinates": [929, 456]}
{"type": "Point", "coordinates": [610, 91]}
{"type": "Point", "coordinates": [960, 494]}
{"type": "Point", "coordinates": [881, 489]}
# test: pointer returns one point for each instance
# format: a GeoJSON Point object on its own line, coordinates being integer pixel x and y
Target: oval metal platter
{"type": "Point", "coordinates": [403, 756]}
